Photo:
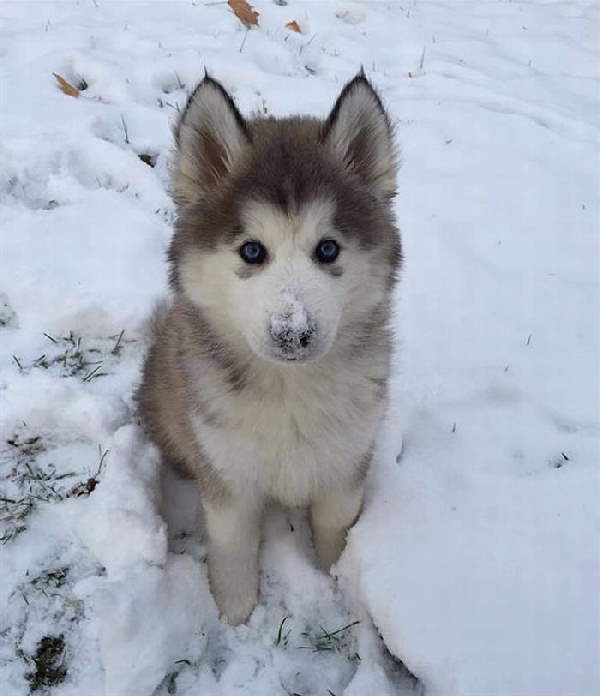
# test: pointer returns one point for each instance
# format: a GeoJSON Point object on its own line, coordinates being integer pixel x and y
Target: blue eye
{"type": "Point", "coordinates": [327, 251]}
{"type": "Point", "coordinates": [253, 252]}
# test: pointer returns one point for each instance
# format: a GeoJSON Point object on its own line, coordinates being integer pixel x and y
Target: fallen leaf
{"type": "Point", "coordinates": [293, 26]}
{"type": "Point", "coordinates": [65, 87]}
{"type": "Point", "coordinates": [247, 15]}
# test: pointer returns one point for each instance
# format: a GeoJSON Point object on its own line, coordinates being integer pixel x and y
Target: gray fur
{"type": "Point", "coordinates": [248, 428]}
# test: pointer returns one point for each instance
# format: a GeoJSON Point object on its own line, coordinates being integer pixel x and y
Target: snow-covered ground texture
{"type": "Point", "coordinates": [476, 558]}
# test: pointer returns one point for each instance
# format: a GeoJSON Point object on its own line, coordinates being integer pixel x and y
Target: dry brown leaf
{"type": "Point", "coordinates": [65, 87]}
{"type": "Point", "coordinates": [247, 15]}
{"type": "Point", "coordinates": [293, 26]}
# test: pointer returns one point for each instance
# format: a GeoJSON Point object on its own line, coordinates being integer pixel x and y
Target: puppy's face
{"type": "Point", "coordinates": [285, 280]}
{"type": "Point", "coordinates": [284, 236]}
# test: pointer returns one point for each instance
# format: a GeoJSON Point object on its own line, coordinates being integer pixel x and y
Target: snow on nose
{"type": "Point", "coordinates": [291, 316]}
{"type": "Point", "coordinates": [291, 328]}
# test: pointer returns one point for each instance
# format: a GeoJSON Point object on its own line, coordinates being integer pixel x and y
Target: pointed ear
{"type": "Point", "coordinates": [358, 131]}
{"type": "Point", "coordinates": [209, 138]}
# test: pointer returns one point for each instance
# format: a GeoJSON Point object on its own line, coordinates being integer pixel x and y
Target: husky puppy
{"type": "Point", "coordinates": [267, 374]}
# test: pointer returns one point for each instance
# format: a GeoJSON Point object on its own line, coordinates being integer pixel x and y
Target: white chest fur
{"type": "Point", "coordinates": [286, 437]}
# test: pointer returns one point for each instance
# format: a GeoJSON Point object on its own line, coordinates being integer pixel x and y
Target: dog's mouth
{"type": "Point", "coordinates": [295, 353]}
{"type": "Point", "coordinates": [274, 353]}
{"type": "Point", "coordinates": [303, 357]}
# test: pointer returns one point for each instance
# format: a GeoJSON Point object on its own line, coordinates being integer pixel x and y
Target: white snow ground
{"type": "Point", "coordinates": [477, 555]}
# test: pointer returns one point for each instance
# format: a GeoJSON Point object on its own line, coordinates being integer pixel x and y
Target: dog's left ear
{"type": "Point", "coordinates": [209, 139]}
{"type": "Point", "coordinates": [358, 130]}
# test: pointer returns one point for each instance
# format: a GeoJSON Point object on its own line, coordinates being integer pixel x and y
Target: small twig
{"type": "Point", "coordinates": [94, 373]}
{"type": "Point", "coordinates": [125, 130]}
{"type": "Point", "coordinates": [14, 357]}
{"type": "Point", "coordinates": [339, 630]}
{"type": "Point", "coordinates": [244, 40]}
{"type": "Point", "coordinates": [50, 338]}
{"type": "Point", "coordinates": [102, 458]}
{"type": "Point", "coordinates": [117, 346]}
{"type": "Point", "coordinates": [279, 633]}
{"type": "Point", "coordinates": [41, 361]}
{"type": "Point", "coordinates": [70, 338]}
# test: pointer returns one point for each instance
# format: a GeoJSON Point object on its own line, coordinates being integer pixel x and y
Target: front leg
{"type": "Point", "coordinates": [332, 513]}
{"type": "Point", "coordinates": [233, 530]}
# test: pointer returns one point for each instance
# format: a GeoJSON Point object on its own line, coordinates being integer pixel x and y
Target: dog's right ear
{"type": "Point", "coordinates": [209, 138]}
{"type": "Point", "coordinates": [359, 133]}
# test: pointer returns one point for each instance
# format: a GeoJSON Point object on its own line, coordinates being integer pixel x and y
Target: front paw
{"type": "Point", "coordinates": [328, 548]}
{"type": "Point", "coordinates": [234, 584]}
{"type": "Point", "coordinates": [236, 607]}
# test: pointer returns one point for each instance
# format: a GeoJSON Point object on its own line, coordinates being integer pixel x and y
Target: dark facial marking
{"type": "Point", "coordinates": [364, 463]}
{"type": "Point", "coordinates": [246, 270]}
{"type": "Point", "coordinates": [333, 269]}
{"type": "Point", "coordinates": [207, 414]}
{"type": "Point", "coordinates": [370, 331]}
{"type": "Point", "coordinates": [380, 386]}
{"type": "Point", "coordinates": [211, 347]}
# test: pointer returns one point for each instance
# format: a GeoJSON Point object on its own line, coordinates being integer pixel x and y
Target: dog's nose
{"type": "Point", "coordinates": [292, 328]}
{"type": "Point", "coordinates": [291, 339]}
{"type": "Point", "coordinates": [305, 338]}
